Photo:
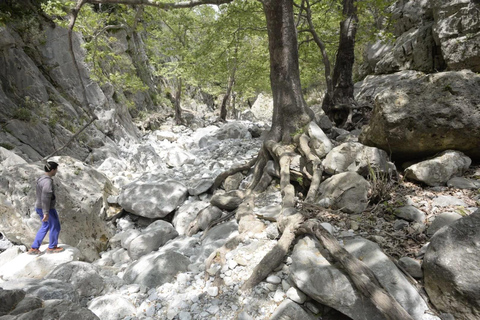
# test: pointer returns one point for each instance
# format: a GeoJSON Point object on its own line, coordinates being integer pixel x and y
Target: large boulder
{"type": "Point", "coordinates": [82, 194]}
{"type": "Point", "coordinates": [10, 299]}
{"type": "Point", "coordinates": [186, 214]}
{"type": "Point", "coordinates": [151, 238]}
{"type": "Point", "coordinates": [314, 275]}
{"type": "Point", "coordinates": [355, 157]}
{"type": "Point", "coordinates": [263, 108]}
{"type": "Point", "coordinates": [31, 308]}
{"type": "Point", "coordinates": [411, 51]}
{"type": "Point", "coordinates": [154, 199]}
{"type": "Point", "coordinates": [36, 267]}
{"type": "Point", "coordinates": [439, 170]}
{"type": "Point", "coordinates": [49, 289]}
{"type": "Point", "coordinates": [451, 267]}
{"type": "Point", "coordinates": [417, 115]}
{"type": "Point", "coordinates": [83, 276]}
{"type": "Point", "coordinates": [347, 191]}
{"type": "Point", "coordinates": [112, 307]}
{"type": "Point", "coordinates": [156, 268]}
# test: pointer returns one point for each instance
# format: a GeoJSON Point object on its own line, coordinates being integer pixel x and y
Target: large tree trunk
{"type": "Point", "coordinates": [338, 105]}
{"type": "Point", "coordinates": [290, 111]}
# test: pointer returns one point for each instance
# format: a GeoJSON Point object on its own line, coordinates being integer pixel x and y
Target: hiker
{"type": "Point", "coordinates": [45, 207]}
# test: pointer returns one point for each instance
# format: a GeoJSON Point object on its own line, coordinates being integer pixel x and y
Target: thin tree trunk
{"type": "Point", "coordinates": [178, 97]}
{"type": "Point", "coordinates": [323, 50]}
{"type": "Point", "coordinates": [140, 59]}
{"type": "Point", "coordinates": [231, 82]}
{"type": "Point", "coordinates": [338, 105]}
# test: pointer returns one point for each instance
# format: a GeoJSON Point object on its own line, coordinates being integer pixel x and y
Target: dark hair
{"type": "Point", "coordinates": [50, 165]}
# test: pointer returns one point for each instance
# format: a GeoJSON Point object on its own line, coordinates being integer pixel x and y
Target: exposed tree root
{"type": "Point", "coordinates": [361, 275]}
{"type": "Point", "coordinates": [275, 257]}
{"type": "Point", "coordinates": [314, 164]}
{"type": "Point", "coordinates": [224, 175]}
{"type": "Point", "coordinates": [244, 211]}
{"type": "Point", "coordinates": [292, 223]}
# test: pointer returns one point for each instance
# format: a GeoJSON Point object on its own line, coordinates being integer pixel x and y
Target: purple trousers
{"type": "Point", "coordinates": [52, 225]}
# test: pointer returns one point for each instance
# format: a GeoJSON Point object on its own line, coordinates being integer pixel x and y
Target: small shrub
{"type": "Point", "coordinates": [382, 185]}
{"type": "Point", "coordinates": [22, 114]}
{"type": "Point", "coordinates": [6, 146]}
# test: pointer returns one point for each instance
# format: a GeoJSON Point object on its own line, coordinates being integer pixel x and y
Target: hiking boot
{"type": "Point", "coordinates": [55, 250]}
{"type": "Point", "coordinates": [35, 252]}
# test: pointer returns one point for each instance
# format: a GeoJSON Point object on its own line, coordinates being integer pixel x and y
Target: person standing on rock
{"type": "Point", "coordinates": [45, 207]}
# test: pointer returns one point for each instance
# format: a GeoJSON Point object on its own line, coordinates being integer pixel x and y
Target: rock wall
{"type": "Point", "coordinates": [42, 100]}
{"type": "Point", "coordinates": [431, 36]}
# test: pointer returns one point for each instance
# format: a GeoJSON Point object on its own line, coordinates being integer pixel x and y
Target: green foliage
{"type": "Point", "coordinates": [22, 114]}
{"type": "Point", "coordinates": [5, 17]}
{"type": "Point", "coordinates": [58, 9]}
{"type": "Point", "coordinates": [6, 146]}
{"type": "Point", "coordinates": [300, 181]}
{"type": "Point", "coordinates": [298, 132]}
{"type": "Point", "coordinates": [326, 16]}
{"type": "Point", "coordinates": [461, 211]}
{"type": "Point", "coordinates": [102, 42]}
{"type": "Point", "coordinates": [203, 47]}
{"type": "Point", "coordinates": [382, 185]}
{"type": "Point", "coordinates": [374, 21]}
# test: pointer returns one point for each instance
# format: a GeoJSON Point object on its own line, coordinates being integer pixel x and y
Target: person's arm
{"type": "Point", "coordinates": [47, 192]}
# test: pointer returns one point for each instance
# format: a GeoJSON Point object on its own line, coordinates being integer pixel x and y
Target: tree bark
{"type": "Point", "coordinates": [338, 104]}
{"type": "Point", "coordinates": [231, 82]}
{"type": "Point", "coordinates": [323, 50]}
{"type": "Point", "coordinates": [290, 111]}
{"type": "Point", "coordinates": [140, 59]}
{"type": "Point", "coordinates": [178, 98]}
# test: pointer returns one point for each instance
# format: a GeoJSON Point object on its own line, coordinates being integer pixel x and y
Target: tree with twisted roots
{"type": "Point", "coordinates": [287, 138]}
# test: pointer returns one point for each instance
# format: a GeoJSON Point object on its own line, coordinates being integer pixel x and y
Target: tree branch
{"type": "Point", "coordinates": [163, 5]}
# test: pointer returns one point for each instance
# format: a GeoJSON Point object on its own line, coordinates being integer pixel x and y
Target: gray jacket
{"type": "Point", "coordinates": [45, 194]}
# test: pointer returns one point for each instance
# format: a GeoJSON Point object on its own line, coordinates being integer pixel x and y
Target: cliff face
{"type": "Point", "coordinates": [431, 36]}
{"type": "Point", "coordinates": [43, 102]}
